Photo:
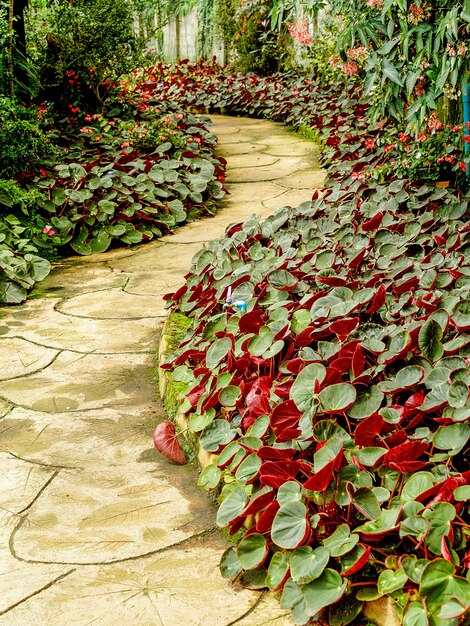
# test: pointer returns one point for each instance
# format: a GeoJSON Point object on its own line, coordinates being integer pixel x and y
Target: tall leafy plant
{"type": "Point", "coordinates": [416, 49]}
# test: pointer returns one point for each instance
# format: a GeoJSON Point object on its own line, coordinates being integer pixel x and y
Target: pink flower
{"type": "Point", "coordinates": [49, 231]}
{"type": "Point", "coordinates": [86, 130]}
{"type": "Point", "coordinates": [358, 53]}
{"type": "Point", "coordinates": [300, 33]}
{"type": "Point", "coordinates": [350, 68]}
{"type": "Point", "coordinates": [374, 4]}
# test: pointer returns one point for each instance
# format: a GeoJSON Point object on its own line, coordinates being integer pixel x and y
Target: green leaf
{"type": "Point", "coordinates": [289, 492]}
{"type": "Point", "coordinates": [232, 506]}
{"type": "Point", "coordinates": [261, 342]}
{"type": "Point", "coordinates": [210, 477]}
{"type": "Point", "coordinates": [390, 581]}
{"type": "Point", "coordinates": [341, 541]}
{"type": "Point", "coordinates": [415, 615]}
{"type": "Point", "coordinates": [302, 391]}
{"type": "Point", "coordinates": [290, 525]}
{"type": "Point", "coordinates": [440, 516]}
{"type": "Point", "coordinates": [277, 570]}
{"type": "Point", "coordinates": [436, 576]}
{"type": "Point", "coordinates": [414, 567]}
{"type": "Point", "coordinates": [323, 591]}
{"type": "Point", "coordinates": [337, 398]}
{"type": "Point", "coordinates": [307, 564]}
{"type": "Point", "coordinates": [415, 485]}
{"type": "Point", "coordinates": [366, 503]}
{"type": "Point", "coordinates": [370, 455]}
{"type": "Point", "coordinates": [368, 401]}
{"type": "Point", "coordinates": [429, 340]}
{"type": "Point", "coordinates": [198, 421]}
{"type": "Point", "coordinates": [216, 434]}
{"type": "Point", "coordinates": [389, 71]}
{"type": "Point", "coordinates": [252, 551]}
{"type": "Point", "coordinates": [230, 565]}
{"type": "Point", "coordinates": [452, 438]}
{"type": "Point", "coordinates": [229, 395]}
{"type": "Point", "coordinates": [292, 598]}
{"type": "Point", "coordinates": [344, 611]}
{"type": "Point", "coordinates": [217, 352]}
{"type": "Point", "coordinates": [462, 494]}
{"type": "Point", "coordinates": [327, 453]}
{"type": "Point", "coordinates": [458, 394]}
{"type": "Point", "coordinates": [248, 469]}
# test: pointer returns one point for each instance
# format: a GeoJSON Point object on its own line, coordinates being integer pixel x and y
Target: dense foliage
{"type": "Point", "coordinates": [337, 405]}
{"type": "Point", "coordinates": [353, 144]}
{"type": "Point", "coordinates": [126, 175]}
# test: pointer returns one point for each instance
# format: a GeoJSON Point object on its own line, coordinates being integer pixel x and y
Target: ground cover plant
{"type": "Point", "coordinates": [127, 174]}
{"type": "Point", "coordinates": [337, 404]}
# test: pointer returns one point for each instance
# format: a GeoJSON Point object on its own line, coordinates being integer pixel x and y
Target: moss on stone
{"type": "Point", "coordinates": [176, 328]}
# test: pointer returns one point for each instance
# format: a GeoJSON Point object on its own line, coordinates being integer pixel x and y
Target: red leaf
{"type": "Point", "coordinates": [446, 548]}
{"type": "Point", "coordinates": [358, 363]}
{"type": "Point", "coordinates": [373, 223]}
{"type": "Point", "coordinates": [407, 466]}
{"type": "Point", "coordinates": [275, 473]}
{"type": "Point", "coordinates": [343, 328]}
{"type": "Point", "coordinates": [413, 402]}
{"type": "Point", "coordinates": [284, 419]}
{"type": "Point", "coordinates": [368, 429]}
{"type": "Point", "coordinates": [177, 295]}
{"type": "Point", "coordinates": [322, 479]}
{"type": "Point", "coordinates": [407, 285]}
{"type": "Point", "coordinates": [333, 281]}
{"type": "Point", "coordinates": [403, 457]}
{"type": "Point", "coordinates": [357, 260]}
{"type": "Point", "coordinates": [359, 564]}
{"type": "Point", "coordinates": [251, 322]}
{"type": "Point", "coordinates": [266, 518]}
{"type": "Point", "coordinates": [165, 441]}
{"type": "Point", "coordinates": [294, 366]}
{"type": "Point", "coordinates": [258, 503]}
{"type": "Point", "coordinates": [257, 399]}
{"type": "Point", "coordinates": [333, 376]}
{"type": "Point", "coordinates": [268, 452]}
{"type": "Point", "coordinates": [378, 301]}
{"type": "Point", "coordinates": [343, 364]}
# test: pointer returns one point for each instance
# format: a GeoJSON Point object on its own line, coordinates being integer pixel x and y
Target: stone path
{"type": "Point", "coordinates": [95, 526]}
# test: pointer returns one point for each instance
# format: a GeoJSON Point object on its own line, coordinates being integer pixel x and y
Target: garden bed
{"type": "Point", "coordinates": [337, 404]}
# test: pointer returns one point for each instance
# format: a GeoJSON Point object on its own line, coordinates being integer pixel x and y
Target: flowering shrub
{"type": "Point", "coordinates": [353, 145]}
{"type": "Point", "coordinates": [300, 33]}
{"type": "Point", "coordinates": [416, 52]}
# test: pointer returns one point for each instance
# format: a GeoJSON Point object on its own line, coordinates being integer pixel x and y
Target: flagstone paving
{"type": "Point", "coordinates": [95, 526]}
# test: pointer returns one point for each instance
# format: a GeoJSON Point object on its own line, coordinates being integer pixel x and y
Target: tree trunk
{"type": "Point", "coordinates": [178, 37]}
{"type": "Point", "coordinates": [17, 68]}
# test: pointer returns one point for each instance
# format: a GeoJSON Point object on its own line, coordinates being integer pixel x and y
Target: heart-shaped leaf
{"type": "Point", "coordinates": [307, 564]}
{"type": "Point", "coordinates": [337, 398]}
{"type": "Point", "coordinates": [166, 442]}
{"type": "Point", "coordinates": [290, 526]}
{"type": "Point", "coordinates": [323, 591]}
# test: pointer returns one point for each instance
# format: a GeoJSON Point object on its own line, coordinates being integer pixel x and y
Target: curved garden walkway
{"type": "Point", "coordinates": [95, 526]}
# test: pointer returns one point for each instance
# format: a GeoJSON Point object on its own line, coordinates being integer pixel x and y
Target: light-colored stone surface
{"type": "Point", "coordinates": [23, 357]}
{"type": "Point", "coordinates": [95, 526]}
